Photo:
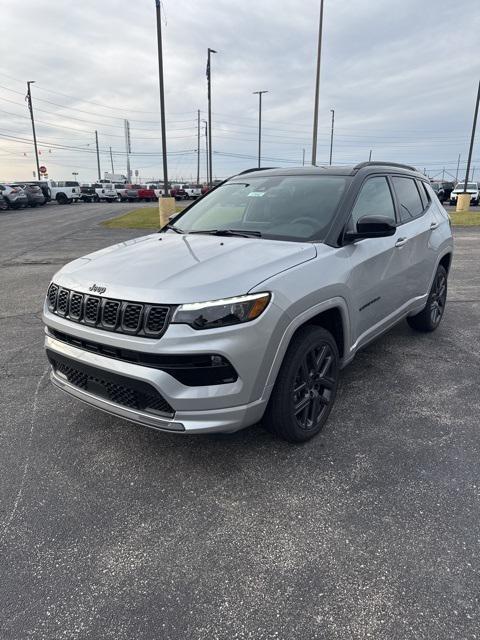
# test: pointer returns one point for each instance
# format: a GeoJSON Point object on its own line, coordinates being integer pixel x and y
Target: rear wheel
{"type": "Point", "coordinates": [61, 198]}
{"type": "Point", "coordinates": [306, 386]}
{"type": "Point", "coordinates": [430, 317]}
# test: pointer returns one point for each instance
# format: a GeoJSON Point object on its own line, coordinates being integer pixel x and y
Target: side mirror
{"type": "Point", "coordinates": [372, 227]}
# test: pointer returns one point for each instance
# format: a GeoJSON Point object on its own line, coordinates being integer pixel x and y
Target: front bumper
{"type": "Point", "coordinates": [224, 407]}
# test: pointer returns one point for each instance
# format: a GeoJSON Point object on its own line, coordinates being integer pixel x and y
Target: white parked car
{"type": "Point", "coordinates": [64, 192]}
{"type": "Point", "coordinates": [472, 189]}
{"type": "Point", "coordinates": [105, 191]}
{"type": "Point", "coordinates": [193, 191]}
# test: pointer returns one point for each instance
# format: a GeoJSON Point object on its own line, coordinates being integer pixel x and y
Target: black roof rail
{"type": "Point", "coordinates": [378, 163]}
{"type": "Point", "coordinates": [254, 169]}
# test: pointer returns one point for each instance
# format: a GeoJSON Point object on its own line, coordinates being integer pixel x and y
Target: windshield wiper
{"type": "Point", "coordinates": [173, 228]}
{"type": "Point", "coordinates": [243, 233]}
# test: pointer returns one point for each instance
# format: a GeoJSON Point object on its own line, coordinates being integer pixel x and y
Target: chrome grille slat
{"type": "Point", "coordinates": [133, 318]}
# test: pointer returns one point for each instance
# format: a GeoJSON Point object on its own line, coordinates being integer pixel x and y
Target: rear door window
{"type": "Point", "coordinates": [409, 201]}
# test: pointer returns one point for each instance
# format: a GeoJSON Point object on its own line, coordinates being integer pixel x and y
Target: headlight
{"type": "Point", "coordinates": [222, 313]}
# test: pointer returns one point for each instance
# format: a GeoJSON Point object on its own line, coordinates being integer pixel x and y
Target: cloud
{"type": "Point", "coordinates": [401, 76]}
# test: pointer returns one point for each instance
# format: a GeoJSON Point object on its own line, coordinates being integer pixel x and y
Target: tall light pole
{"type": "Point", "coordinates": [209, 86]}
{"type": "Point", "coordinates": [331, 134]}
{"type": "Point", "coordinates": [458, 167]}
{"type": "Point", "coordinates": [259, 93]}
{"type": "Point", "coordinates": [30, 108]}
{"type": "Point", "coordinates": [370, 156]}
{"type": "Point", "coordinates": [111, 160]}
{"type": "Point", "coordinates": [198, 145]}
{"type": "Point", "coordinates": [162, 98]}
{"type": "Point", "coordinates": [206, 149]}
{"type": "Point", "coordinates": [317, 87]}
{"type": "Point", "coordinates": [128, 149]}
{"type": "Point", "coordinates": [472, 139]}
{"type": "Point", "coordinates": [98, 157]}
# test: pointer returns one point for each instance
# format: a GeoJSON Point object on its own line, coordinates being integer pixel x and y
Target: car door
{"type": "Point", "coordinates": [375, 276]}
{"type": "Point", "coordinates": [416, 255]}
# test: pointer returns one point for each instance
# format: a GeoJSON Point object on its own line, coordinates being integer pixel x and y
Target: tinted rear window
{"type": "Point", "coordinates": [409, 201]}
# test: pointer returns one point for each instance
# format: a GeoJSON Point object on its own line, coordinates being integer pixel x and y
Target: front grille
{"type": "Point", "coordinates": [133, 394]}
{"type": "Point", "coordinates": [76, 302]}
{"type": "Point", "coordinates": [62, 301]}
{"type": "Point", "coordinates": [110, 313]}
{"type": "Point", "coordinates": [134, 318]}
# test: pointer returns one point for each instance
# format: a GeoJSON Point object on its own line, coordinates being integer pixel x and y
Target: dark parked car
{"type": "Point", "coordinates": [34, 194]}
{"type": "Point", "coordinates": [178, 192]}
{"type": "Point", "coordinates": [3, 203]}
{"type": "Point", "coordinates": [443, 190]}
{"type": "Point", "coordinates": [43, 186]}
{"type": "Point", "coordinates": [88, 194]}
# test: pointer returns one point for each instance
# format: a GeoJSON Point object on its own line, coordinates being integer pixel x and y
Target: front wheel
{"type": "Point", "coordinates": [430, 317]}
{"type": "Point", "coordinates": [306, 386]}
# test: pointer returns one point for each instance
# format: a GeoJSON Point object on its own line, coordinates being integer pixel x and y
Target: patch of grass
{"type": "Point", "coordinates": [465, 218]}
{"type": "Point", "coordinates": [144, 218]}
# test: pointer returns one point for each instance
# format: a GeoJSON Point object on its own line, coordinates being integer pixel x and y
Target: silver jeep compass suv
{"type": "Point", "coordinates": [249, 303]}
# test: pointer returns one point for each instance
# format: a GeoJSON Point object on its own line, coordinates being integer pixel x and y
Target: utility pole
{"type": "Point", "coordinates": [206, 149]}
{"type": "Point", "coordinates": [128, 149]}
{"type": "Point", "coordinates": [473, 173]}
{"type": "Point", "coordinates": [198, 145]}
{"type": "Point", "coordinates": [458, 167]}
{"type": "Point", "coordinates": [162, 99]}
{"type": "Point", "coordinates": [259, 93]}
{"type": "Point", "coordinates": [98, 157]}
{"type": "Point", "coordinates": [303, 158]}
{"type": "Point", "coordinates": [370, 156]}
{"type": "Point", "coordinates": [331, 134]}
{"type": "Point", "coordinates": [443, 174]}
{"type": "Point", "coordinates": [317, 88]}
{"type": "Point", "coordinates": [209, 85]}
{"type": "Point", "coordinates": [30, 108]}
{"type": "Point", "coordinates": [472, 139]}
{"type": "Point", "coordinates": [111, 160]}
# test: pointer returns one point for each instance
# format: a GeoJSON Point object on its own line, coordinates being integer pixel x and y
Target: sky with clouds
{"type": "Point", "coordinates": [402, 76]}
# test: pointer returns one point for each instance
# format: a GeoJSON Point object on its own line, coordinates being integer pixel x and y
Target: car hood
{"type": "Point", "coordinates": [456, 193]}
{"type": "Point", "coordinates": [173, 268]}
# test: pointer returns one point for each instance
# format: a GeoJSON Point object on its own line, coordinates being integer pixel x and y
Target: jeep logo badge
{"type": "Point", "coordinates": [96, 289]}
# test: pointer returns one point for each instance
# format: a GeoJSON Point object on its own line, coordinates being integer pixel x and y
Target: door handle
{"type": "Point", "coordinates": [400, 242]}
{"type": "Point", "coordinates": [433, 225]}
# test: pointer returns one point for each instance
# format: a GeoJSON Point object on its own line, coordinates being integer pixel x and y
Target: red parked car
{"type": "Point", "coordinates": [144, 193]}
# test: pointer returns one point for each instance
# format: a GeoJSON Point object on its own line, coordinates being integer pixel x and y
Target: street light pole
{"type": "Point", "coordinates": [30, 108]}
{"type": "Point", "coordinates": [458, 167]}
{"type": "Point", "coordinates": [111, 160]}
{"type": "Point", "coordinates": [206, 149]}
{"type": "Point", "coordinates": [162, 98]}
{"type": "Point", "coordinates": [331, 134]}
{"type": "Point", "coordinates": [472, 139]}
{"type": "Point", "coordinates": [259, 93]}
{"type": "Point", "coordinates": [317, 88]}
{"type": "Point", "coordinates": [198, 145]}
{"type": "Point", "coordinates": [209, 86]}
{"type": "Point", "coordinates": [98, 157]}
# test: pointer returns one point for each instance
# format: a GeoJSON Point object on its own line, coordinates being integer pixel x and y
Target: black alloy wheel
{"type": "Point", "coordinates": [306, 386]}
{"type": "Point", "coordinates": [429, 318]}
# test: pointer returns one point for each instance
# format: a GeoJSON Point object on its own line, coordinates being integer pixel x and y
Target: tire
{"type": "Point", "coordinates": [61, 198]}
{"type": "Point", "coordinates": [33, 205]}
{"type": "Point", "coordinates": [310, 368]}
{"type": "Point", "coordinates": [430, 317]}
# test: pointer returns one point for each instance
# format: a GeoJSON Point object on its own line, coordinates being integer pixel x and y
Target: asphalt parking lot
{"type": "Point", "coordinates": [113, 531]}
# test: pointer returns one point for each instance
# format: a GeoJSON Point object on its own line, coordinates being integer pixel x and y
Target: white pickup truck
{"type": "Point", "coordinates": [193, 191]}
{"type": "Point", "coordinates": [64, 192]}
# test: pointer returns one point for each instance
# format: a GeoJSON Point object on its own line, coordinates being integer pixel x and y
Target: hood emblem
{"type": "Point", "coordinates": [96, 289]}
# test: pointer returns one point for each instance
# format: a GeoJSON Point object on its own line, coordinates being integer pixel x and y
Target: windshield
{"type": "Point", "coordinates": [279, 207]}
{"type": "Point", "coordinates": [470, 185]}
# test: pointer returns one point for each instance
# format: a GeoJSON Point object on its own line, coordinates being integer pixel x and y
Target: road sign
{"type": "Point", "coordinates": [42, 169]}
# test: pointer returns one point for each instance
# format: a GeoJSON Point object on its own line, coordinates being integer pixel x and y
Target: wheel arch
{"type": "Point", "coordinates": [332, 315]}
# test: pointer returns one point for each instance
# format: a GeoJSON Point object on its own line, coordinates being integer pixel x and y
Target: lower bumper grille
{"type": "Point", "coordinates": [133, 394]}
